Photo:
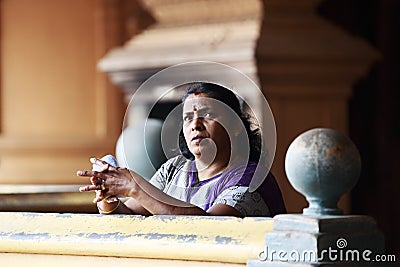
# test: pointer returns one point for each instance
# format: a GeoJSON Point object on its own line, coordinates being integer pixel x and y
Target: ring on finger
{"type": "Point", "coordinates": [103, 185]}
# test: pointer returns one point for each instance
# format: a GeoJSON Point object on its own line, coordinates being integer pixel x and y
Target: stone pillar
{"type": "Point", "coordinates": [307, 67]}
{"type": "Point", "coordinates": [322, 164]}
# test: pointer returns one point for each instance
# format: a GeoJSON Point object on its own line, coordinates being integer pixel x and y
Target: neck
{"type": "Point", "coordinates": [206, 170]}
{"type": "Point", "coordinates": [220, 163]}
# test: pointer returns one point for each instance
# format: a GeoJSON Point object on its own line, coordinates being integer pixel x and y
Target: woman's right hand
{"type": "Point", "coordinates": [101, 167]}
{"type": "Point", "coordinates": [109, 181]}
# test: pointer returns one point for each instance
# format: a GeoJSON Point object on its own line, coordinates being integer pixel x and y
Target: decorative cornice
{"type": "Point", "coordinates": [225, 31]}
{"type": "Point", "coordinates": [189, 12]}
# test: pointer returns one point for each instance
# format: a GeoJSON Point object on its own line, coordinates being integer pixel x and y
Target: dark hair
{"type": "Point", "coordinates": [229, 98]}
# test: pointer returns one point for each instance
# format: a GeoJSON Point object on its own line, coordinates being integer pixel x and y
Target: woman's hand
{"type": "Point", "coordinates": [145, 199]}
{"type": "Point", "coordinates": [109, 181]}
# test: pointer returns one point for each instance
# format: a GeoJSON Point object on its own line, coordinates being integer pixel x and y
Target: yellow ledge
{"type": "Point", "coordinates": [193, 238]}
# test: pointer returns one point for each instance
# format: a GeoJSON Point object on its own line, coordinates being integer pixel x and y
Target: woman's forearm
{"type": "Point", "coordinates": [115, 207]}
{"type": "Point", "coordinates": [146, 199]}
{"type": "Point", "coordinates": [157, 202]}
{"type": "Point", "coordinates": [119, 207]}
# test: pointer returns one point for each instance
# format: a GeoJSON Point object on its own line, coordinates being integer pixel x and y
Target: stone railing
{"type": "Point", "coordinates": [322, 164]}
{"type": "Point", "coordinates": [162, 240]}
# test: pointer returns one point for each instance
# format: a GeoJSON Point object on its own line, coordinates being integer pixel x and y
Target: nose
{"type": "Point", "coordinates": [197, 124]}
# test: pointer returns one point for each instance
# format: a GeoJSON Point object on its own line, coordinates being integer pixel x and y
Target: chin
{"type": "Point", "coordinates": [195, 152]}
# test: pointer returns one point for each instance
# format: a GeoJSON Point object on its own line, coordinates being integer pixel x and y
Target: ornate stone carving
{"type": "Point", "coordinates": [222, 31]}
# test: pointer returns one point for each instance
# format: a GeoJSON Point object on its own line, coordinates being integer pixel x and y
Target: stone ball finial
{"type": "Point", "coordinates": [322, 164]}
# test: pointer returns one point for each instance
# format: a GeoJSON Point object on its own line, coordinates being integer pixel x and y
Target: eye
{"type": "Point", "coordinates": [209, 115]}
{"type": "Point", "coordinates": [187, 118]}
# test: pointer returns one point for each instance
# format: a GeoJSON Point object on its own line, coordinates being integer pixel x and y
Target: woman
{"type": "Point", "coordinates": [220, 153]}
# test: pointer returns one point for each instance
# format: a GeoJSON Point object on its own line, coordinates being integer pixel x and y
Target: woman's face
{"type": "Point", "coordinates": [205, 126]}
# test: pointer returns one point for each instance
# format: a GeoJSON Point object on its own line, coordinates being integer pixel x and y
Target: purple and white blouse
{"type": "Point", "coordinates": [178, 178]}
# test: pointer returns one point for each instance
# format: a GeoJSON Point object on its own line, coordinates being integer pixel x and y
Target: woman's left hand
{"type": "Point", "coordinates": [109, 181]}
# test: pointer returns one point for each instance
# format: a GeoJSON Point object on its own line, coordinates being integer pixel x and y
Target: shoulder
{"type": "Point", "coordinates": [241, 173]}
{"type": "Point", "coordinates": [244, 166]}
{"type": "Point", "coordinates": [178, 162]}
{"type": "Point", "coordinates": [174, 166]}
{"type": "Point", "coordinates": [170, 170]}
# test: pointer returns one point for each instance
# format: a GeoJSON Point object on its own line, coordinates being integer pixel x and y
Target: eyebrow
{"type": "Point", "coordinates": [204, 109]}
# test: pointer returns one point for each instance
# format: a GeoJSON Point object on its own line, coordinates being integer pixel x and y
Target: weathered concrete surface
{"type": "Point", "coordinates": [211, 239]}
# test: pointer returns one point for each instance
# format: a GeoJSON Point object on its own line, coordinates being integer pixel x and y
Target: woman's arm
{"type": "Point", "coordinates": [145, 196]}
{"type": "Point", "coordinates": [131, 206]}
{"type": "Point", "coordinates": [123, 182]}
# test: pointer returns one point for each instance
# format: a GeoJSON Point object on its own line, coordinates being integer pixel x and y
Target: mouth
{"type": "Point", "coordinates": [197, 138]}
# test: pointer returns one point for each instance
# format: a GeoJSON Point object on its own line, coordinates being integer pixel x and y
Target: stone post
{"type": "Point", "coordinates": [322, 164]}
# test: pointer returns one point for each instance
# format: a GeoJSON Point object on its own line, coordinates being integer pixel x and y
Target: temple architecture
{"type": "Point", "coordinates": [82, 61]}
{"type": "Point", "coordinates": [304, 65]}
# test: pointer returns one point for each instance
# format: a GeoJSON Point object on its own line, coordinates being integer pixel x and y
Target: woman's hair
{"type": "Point", "coordinates": [229, 98]}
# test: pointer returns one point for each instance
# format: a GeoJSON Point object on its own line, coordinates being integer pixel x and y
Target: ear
{"type": "Point", "coordinates": [237, 127]}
